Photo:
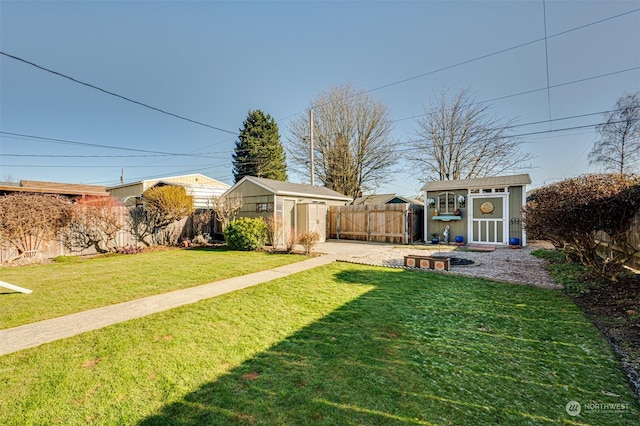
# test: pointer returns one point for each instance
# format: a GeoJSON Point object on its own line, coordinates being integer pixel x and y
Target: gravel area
{"type": "Point", "coordinates": [503, 264]}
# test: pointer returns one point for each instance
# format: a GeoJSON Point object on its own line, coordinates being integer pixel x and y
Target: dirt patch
{"type": "Point", "coordinates": [91, 363]}
{"type": "Point", "coordinates": [167, 337]}
{"type": "Point", "coordinates": [251, 376]}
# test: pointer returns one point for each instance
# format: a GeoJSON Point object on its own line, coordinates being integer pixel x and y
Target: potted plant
{"type": "Point", "coordinates": [435, 238]}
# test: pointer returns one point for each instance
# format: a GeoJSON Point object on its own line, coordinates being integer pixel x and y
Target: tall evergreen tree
{"type": "Point", "coordinates": [258, 150]}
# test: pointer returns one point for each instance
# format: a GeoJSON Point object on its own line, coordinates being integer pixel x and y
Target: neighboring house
{"type": "Point", "coordinates": [69, 190]}
{"type": "Point", "coordinates": [201, 187]}
{"type": "Point", "coordinates": [489, 209]}
{"type": "Point", "coordinates": [301, 207]}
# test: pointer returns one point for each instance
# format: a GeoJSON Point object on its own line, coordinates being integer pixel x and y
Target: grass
{"type": "Point", "coordinates": [73, 286]}
{"type": "Point", "coordinates": [572, 276]}
{"type": "Point", "coordinates": [340, 344]}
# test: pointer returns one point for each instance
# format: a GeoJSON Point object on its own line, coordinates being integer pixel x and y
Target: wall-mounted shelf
{"type": "Point", "coordinates": [446, 218]}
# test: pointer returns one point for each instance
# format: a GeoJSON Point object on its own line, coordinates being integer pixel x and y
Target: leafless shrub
{"type": "Point", "coordinates": [202, 222]}
{"type": "Point", "coordinates": [226, 208]}
{"type": "Point", "coordinates": [292, 240]}
{"type": "Point", "coordinates": [309, 240]}
{"type": "Point", "coordinates": [28, 219]}
{"type": "Point", "coordinates": [275, 226]}
{"type": "Point", "coordinates": [95, 222]}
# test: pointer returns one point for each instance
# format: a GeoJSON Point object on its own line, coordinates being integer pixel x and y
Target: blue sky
{"type": "Point", "coordinates": [212, 62]}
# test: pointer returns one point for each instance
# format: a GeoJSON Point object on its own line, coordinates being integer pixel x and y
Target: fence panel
{"type": "Point", "coordinates": [634, 238]}
{"type": "Point", "coordinates": [390, 223]}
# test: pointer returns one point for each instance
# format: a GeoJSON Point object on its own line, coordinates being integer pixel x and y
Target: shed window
{"type": "Point", "coordinates": [447, 203]}
{"type": "Point", "coordinates": [264, 207]}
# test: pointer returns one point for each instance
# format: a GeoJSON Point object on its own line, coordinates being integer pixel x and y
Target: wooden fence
{"type": "Point", "coordinates": [634, 238]}
{"type": "Point", "coordinates": [391, 223]}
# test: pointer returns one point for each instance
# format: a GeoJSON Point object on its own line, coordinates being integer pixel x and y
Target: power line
{"type": "Point", "coordinates": [92, 86]}
{"type": "Point", "coordinates": [497, 52]}
{"type": "Point", "coordinates": [546, 55]}
{"type": "Point", "coordinates": [488, 55]}
{"type": "Point", "coordinates": [83, 156]}
{"type": "Point", "coordinates": [526, 92]}
{"type": "Point", "coordinates": [77, 166]}
{"type": "Point", "coordinates": [542, 132]}
{"type": "Point", "coordinates": [92, 145]}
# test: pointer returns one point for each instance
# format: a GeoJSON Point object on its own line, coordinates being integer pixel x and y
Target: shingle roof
{"type": "Point", "coordinates": [384, 198]}
{"type": "Point", "coordinates": [296, 189]}
{"type": "Point", "coordinates": [487, 182]}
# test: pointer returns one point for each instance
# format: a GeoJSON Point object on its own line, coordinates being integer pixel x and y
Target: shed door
{"type": "Point", "coordinates": [317, 217]}
{"type": "Point", "coordinates": [488, 219]}
{"type": "Point", "coordinates": [289, 218]}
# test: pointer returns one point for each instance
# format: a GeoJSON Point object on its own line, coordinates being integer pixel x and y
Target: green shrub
{"type": "Point", "coordinates": [246, 234]}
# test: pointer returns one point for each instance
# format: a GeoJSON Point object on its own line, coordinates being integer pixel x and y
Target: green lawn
{"type": "Point", "coordinates": [340, 344]}
{"type": "Point", "coordinates": [64, 288]}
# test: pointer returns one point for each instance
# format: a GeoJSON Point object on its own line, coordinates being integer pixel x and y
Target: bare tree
{"type": "Point", "coordinates": [353, 147]}
{"type": "Point", "coordinates": [617, 149]}
{"type": "Point", "coordinates": [459, 139]}
{"type": "Point", "coordinates": [226, 207]}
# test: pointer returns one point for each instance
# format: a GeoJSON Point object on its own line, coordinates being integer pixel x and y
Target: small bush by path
{"type": "Point", "coordinates": [340, 344]}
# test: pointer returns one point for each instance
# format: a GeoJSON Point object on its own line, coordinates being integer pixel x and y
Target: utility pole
{"type": "Point", "coordinates": [311, 143]}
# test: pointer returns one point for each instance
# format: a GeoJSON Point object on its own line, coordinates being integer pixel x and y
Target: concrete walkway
{"type": "Point", "coordinates": [35, 334]}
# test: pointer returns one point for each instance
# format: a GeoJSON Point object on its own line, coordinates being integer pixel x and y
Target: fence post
{"type": "Point", "coordinates": [406, 224]}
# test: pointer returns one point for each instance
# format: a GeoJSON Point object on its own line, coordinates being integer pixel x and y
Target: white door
{"type": "Point", "coordinates": [487, 219]}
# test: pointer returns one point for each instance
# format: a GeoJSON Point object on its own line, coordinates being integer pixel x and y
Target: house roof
{"type": "Point", "coordinates": [478, 183]}
{"type": "Point", "coordinates": [384, 198]}
{"type": "Point", "coordinates": [70, 189]}
{"type": "Point", "coordinates": [199, 179]}
{"type": "Point", "coordinates": [293, 189]}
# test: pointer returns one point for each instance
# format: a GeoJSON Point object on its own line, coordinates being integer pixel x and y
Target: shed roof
{"type": "Point", "coordinates": [385, 198]}
{"type": "Point", "coordinates": [478, 183]}
{"type": "Point", "coordinates": [293, 189]}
